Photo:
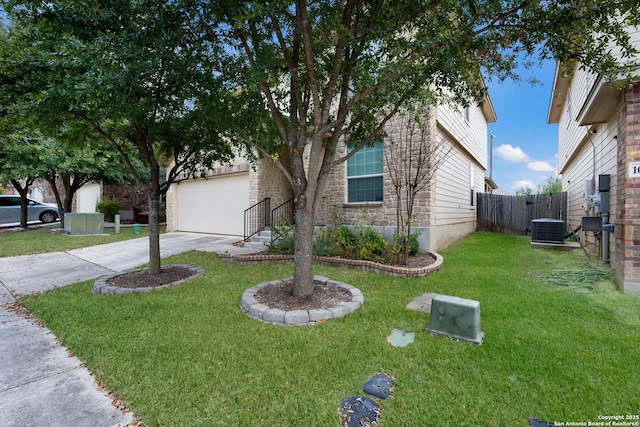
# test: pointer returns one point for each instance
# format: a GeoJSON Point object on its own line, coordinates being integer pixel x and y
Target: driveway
{"type": "Point", "coordinates": [28, 274]}
{"type": "Point", "coordinates": [41, 383]}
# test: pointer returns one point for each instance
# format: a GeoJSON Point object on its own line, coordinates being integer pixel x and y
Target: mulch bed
{"type": "Point", "coordinates": [421, 259]}
{"type": "Point", "coordinates": [142, 278]}
{"type": "Point", "coordinates": [280, 296]}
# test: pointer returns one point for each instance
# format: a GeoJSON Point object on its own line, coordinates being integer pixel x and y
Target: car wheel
{"type": "Point", "coordinates": [48, 217]}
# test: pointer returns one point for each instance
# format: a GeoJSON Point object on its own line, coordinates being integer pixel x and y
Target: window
{"type": "Point", "coordinates": [9, 201]}
{"type": "Point", "coordinates": [467, 114]}
{"type": "Point", "coordinates": [472, 183]}
{"type": "Point", "coordinates": [364, 175]}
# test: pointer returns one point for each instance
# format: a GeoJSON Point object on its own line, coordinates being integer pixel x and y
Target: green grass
{"type": "Point", "coordinates": [187, 356]}
{"type": "Point", "coordinates": [38, 240]}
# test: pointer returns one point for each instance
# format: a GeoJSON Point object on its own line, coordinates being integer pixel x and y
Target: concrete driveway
{"type": "Point", "coordinates": [41, 383]}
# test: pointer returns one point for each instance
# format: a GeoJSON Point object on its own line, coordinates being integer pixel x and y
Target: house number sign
{"type": "Point", "coordinates": [634, 170]}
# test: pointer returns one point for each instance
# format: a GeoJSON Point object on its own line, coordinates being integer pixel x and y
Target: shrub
{"type": "Point", "coordinates": [396, 249]}
{"type": "Point", "coordinates": [324, 243]}
{"type": "Point", "coordinates": [414, 245]}
{"type": "Point", "coordinates": [346, 241]}
{"type": "Point", "coordinates": [371, 245]}
{"type": "Point", "coordinates": [109, 208]}
{"type": "Point", "coordinates": [284, 242]}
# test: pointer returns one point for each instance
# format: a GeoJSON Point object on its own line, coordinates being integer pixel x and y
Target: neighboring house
{"type": "Point", "coordinates": [599, 149]}
{"type": "Point", "coordinates": [358, 191]}
{"type": "Point", "coordinates": [131, 198]}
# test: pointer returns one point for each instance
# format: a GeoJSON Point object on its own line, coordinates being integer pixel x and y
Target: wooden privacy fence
{"type": "Point", "coordinates": [513, 214]}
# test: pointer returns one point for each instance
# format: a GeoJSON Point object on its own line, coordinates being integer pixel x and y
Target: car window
{"type": "Point", "coordinates": [9, 201]}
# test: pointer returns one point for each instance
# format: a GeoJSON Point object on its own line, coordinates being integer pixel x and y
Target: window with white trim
{"type": "Point", "coordinates": [364, 174]}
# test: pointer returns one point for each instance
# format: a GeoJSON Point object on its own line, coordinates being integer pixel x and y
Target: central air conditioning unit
{"type": "Point", "coordinates": [547, 230]}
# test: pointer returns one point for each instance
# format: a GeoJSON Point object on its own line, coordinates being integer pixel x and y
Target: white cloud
{"type": "Point", "coordinates": [512, 154]}
{"type": "Point", "coordinates": [539, 166]}
{"type": "Point", "coordinates": [525, 183]}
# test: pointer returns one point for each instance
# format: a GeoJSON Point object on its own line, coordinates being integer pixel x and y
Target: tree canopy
{"type": "Point", "coordinates": [140, 74]}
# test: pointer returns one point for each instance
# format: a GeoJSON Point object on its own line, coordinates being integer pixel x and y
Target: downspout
{"type": "Point", "coordinates": [603, 192]}
{"type": "Point", "coordinates": [593, 174]}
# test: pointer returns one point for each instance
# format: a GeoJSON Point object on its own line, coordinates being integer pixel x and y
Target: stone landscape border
{"type": "Point", "coordinates": [370, 266]}
{"type": "Point", "coordinates": [102, 287]}
{"type": "Point", "coordinates": [254, 309]}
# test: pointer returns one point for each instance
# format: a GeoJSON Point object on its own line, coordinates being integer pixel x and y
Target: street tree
{"type": "Point", "coordinates": [17, 170]}
{"type": "Point", "coordinates": [140, 74]}
{"type": "Point", "coordinates": [333, 71]}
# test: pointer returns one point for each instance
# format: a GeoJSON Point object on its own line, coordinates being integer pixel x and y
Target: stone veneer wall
{"type": "Point", "coordinates": [381, 214]}
{"type": "Point", "coordinates": [266, 180]}
{"type": "Point", "coordinates": [627, 232]}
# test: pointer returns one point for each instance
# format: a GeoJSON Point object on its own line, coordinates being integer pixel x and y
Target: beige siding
{"type": "Point", "coordinates": [601, 146]}
{"type": "Point", "coordinates": [471, 134]}
{"type": "Point", "coordinates": [570, 134]}
{"type": "Point", "coordinates": [634, 38]}
{"type": "Point", "coordinates": [455, 213]}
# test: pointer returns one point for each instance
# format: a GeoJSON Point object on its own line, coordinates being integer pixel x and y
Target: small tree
{"type": "Point", "coordinates": [524, 190]}
{"type": "Point", "coordinates": [412, 159]}
{"type": "Point", "coordinates": [553, 185]}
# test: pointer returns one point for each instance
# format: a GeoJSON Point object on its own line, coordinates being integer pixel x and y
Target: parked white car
{"type": "Point", "coordinates": [36, 211]}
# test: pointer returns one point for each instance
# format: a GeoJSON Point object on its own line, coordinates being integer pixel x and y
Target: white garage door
{"type": "Point", "coordinates": [215, 205]}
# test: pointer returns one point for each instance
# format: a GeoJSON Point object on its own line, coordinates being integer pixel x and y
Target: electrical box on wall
{"type": "Point", "coordinates": [604, 182]}
{"type": "Point", "coordinates": [587, 188]}
{"type": "Point", "coordinates": [604, 185]}
{"type": "Point", "coordinates": [591, 223]}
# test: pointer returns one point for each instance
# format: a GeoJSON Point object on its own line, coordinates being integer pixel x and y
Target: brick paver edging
{"type": "Point", "coordinates": [102, 287]}
{"type": "Point", "coordinates": [253, 308]}
{"type": "Point", "coordinates": [370, 266]}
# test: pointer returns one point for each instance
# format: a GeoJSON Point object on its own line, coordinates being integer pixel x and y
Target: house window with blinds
{"type": "Point", "coordinates": [364, 174]}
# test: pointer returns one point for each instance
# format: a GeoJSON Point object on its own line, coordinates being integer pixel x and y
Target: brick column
{"type": "Point", "coordinates": [628, 269]}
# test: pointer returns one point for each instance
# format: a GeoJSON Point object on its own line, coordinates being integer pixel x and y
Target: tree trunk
{"type": "Point", "coordinates": [67, 203]}
{"type": "Point", "coordinates": [303, 254]}
{"type": "Point", "coordinates": [154, 221]}
{"type": "Point", "coordinates": [24, 203]}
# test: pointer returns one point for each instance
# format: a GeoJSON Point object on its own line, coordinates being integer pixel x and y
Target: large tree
{"type": "Point", "coordinates": [331, 70]}
{"type": "Point", "coordinates": [140, 73]}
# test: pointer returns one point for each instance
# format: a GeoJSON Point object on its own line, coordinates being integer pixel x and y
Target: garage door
{"type": "Point", "coordinates": [215, 205]}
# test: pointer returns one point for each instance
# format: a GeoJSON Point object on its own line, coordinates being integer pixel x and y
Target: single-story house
{"type": "Point", "coordinates": [599, 159]}
{"type": "Point", "coordinates": [360, 190]}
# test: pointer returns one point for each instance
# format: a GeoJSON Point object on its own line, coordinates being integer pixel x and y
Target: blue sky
{"type": "Point", "coordinates": [524, 147]}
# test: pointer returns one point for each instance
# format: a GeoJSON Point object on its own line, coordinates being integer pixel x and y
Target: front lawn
{"type": "Point", "coordinates": [41, 239]}
{"type": "Point", "coordinates": [187, 356]}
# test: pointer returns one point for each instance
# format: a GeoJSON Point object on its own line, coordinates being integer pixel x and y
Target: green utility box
{"type": "Point", "coordinates": [457, 318]}
{"type": "Point", "coordinates": [78, 224]}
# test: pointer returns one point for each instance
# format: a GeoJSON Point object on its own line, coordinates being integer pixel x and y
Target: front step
{"type": "Point", "coordinates": [260, 240]}
{"type": "Point", "coordinates": [260, 246]}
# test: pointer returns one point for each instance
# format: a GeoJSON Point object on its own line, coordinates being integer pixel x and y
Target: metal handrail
{"type": "Point", "coordinates": [283, 214]}
{"type": "Point", "coordinates": [257, 218]}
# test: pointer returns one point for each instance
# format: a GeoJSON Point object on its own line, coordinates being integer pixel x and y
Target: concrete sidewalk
{"type": "Point", "coordinates": [41, 383]}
